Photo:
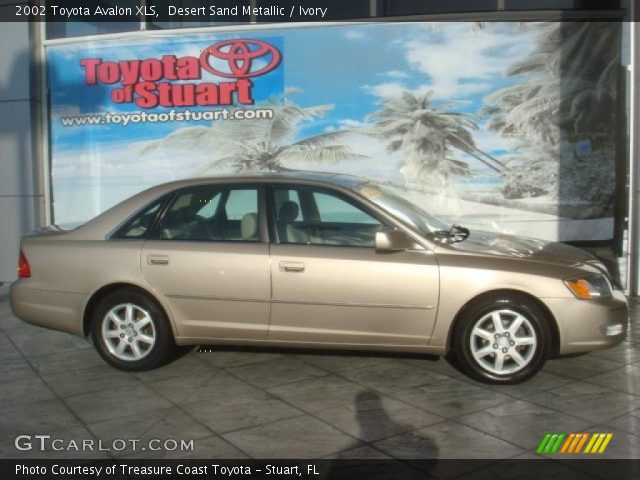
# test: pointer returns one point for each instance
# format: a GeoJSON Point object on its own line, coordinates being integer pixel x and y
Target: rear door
{"type": "Point", "coordinates": [209, 257]}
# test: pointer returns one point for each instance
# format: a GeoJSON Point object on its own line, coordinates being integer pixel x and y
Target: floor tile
{"type": "Point", "coordinates": [629, 422]}
{"type": "Point", "coordinates": [342, 363]}
{"type": "Point", "coordinates": [447, 440]}
{"type": "Point", "coordinates": [229, 413]}
{"type": "Point", "coordinates": [393, 377]}
{"type": "Point", "coordinates": [588, 401]}
{"type": "Point", "coordinates": [223, 358]}
{"type": "Point", "coordinates": [276, 372]}
{"type": "Point", "coordinates": [31, 389]}
{"type": "Point", "coordinates": [452, 398]}
{"type": "Point", "coordinates": [626, 352]}
{"type": "Point", "coordinates": [541, 382]}
{"type": "Point", "coordinates": [439, 365]}
{"type": "Point", "coordinates": [115, 403]}
{"type": "Point", "coordinates": [91, 380]}
{"type": "Point", "coordinates": [31, 417]}
{"type": "Point", "coordinates": [522, 423]}
{"type": "Point", "coordinates": [301, 437]}
{"type": "Point", "coordinates": [373, 417]}
{"type": "Point", "coordinates": [68, 361]}
{"type": "Point", "coordinates": [581, 367]}
{"type": "Point", "coordinates": [15, 369]}
{"type": "Point", "coordinates": [37, 341]}
{"type": "Point", "coordinates": [626, 379]}
{"type": "Point", "coordinates": [170, 424]}
{"type": "Point", "coordinates": [7, 350]}
{"type": "Point", "coordinates": [186, 365]}
{"type": "Point", "coordinates": [319, 393]}
{"type": "Point", "coordinates": [365, 452]}
{"type": "Point", "coordinates": [196, 388]}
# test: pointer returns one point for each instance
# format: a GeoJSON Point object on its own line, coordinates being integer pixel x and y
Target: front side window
{"type": "Point", "coordinates": [212, 213]}
{"type": "Point", "coordinates": [317, 216]}
{"type": "Point", "coordinates": [405, 212]}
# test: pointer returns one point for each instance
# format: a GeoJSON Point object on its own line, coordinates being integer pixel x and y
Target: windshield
{"type": "Point", "coordinates": [402, 210]}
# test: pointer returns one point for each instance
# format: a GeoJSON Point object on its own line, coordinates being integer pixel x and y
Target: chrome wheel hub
{"type": "Point", "coordinates": [503, 341]}
{"type": "Point", "coordinates": [128, 331]}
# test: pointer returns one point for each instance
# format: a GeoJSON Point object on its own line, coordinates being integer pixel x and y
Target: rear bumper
{"type": "Point", "coordinates": [587, 325]}
{"type": "Point", "coordinates": [52, 309]}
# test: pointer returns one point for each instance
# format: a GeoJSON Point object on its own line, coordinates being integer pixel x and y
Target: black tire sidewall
{"type": "Point", "coordinates": [164, 337]}
{"type": "Point", "coordinates": [477, 310]}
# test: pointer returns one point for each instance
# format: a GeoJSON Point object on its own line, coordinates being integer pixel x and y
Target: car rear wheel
{"type": "Point", "coordinates": [130, 331]}
{"type": "Point", "coordinates": [502, 339]}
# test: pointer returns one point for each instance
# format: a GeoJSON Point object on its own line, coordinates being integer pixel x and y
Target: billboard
{"type": "Point", "coordinates": [498, 126]}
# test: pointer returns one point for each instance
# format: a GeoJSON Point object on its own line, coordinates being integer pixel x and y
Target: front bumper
{"type": "Point", "coordinates": [586, 325]}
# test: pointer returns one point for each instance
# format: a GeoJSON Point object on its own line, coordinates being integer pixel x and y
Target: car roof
{"type": "Point", "coordinates": [280, 177]}
{"type": "Point", "coordinates": [104, 223]}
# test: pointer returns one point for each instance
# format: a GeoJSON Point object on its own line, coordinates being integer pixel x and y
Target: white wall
{"type": "Point", "coordinates": [20, 192]}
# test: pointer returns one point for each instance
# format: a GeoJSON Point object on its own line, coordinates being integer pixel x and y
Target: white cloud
{"type": "Point", "coordinates": [395, 74]}
{"type": "Point", "coordinates": [355, 35]}
{"type": "Point", "coordinates": [455, 61]}
{"type": "Point", "coordinates": [393, 90]}
{"type": "Point", "coordinates": [350, 123]}
{"type": "Point", "coordinates": [385, 90]}
{"type": "Point", "coordinates": [461, 62]}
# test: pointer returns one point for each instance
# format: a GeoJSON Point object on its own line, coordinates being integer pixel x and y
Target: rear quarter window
{"type": "Point", "coordinates": [139, 225]}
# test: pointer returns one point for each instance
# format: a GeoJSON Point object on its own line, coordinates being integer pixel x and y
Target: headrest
{"type": "Point", "coordinates": [288, 212]}
{"type": "Point", "coordinates": [249, 226]}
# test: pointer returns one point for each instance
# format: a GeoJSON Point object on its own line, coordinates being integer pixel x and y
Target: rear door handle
{"type": "Point", "coordinates": [291, 267]}
{"type": "Point", "coordinates": [158, 259]}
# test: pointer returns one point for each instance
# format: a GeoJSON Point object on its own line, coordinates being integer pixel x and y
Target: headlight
{"type": "Point", "coordinates": [589, 286]}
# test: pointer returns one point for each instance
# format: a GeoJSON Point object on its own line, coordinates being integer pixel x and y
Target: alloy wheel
{"type": "Point", "coordinates": [503, 342]}
{"type": "Point", "coordinates": [128, 332]}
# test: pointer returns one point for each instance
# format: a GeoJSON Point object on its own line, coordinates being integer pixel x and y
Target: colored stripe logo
{"type": "Point", "coordinates": [574, 443]}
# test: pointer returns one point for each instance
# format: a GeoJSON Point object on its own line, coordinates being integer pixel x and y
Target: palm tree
{"type": "Point", "coordinates": [568, 96]}
{"type": "Point", "coordinates": [428, 135]}
{"type": "Point", "coordinates": [260, 144]}
{"type": "Point", "coordinates": [572, 88]}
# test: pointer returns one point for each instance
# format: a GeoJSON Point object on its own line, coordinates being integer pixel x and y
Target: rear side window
{"type": "Point", "coordinates": [139, 225]}
{"type": "Point", "coordinates": [213, 213]}
{"type": "Point", "coordinates": [241, 202]}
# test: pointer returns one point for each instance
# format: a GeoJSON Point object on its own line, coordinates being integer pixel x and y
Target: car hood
{"type": "Point", "coordinates": [497, 244]}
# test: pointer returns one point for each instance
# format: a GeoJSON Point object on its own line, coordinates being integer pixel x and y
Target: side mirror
{"type": "Point", "coordinates": [392, 240]}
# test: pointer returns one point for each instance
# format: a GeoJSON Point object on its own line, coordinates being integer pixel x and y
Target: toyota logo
{"type": "Point", "coordinates": [235, 58]}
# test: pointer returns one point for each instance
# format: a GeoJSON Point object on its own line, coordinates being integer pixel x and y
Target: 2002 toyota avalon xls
{"type": "Point", "coordinates": [313, 261]}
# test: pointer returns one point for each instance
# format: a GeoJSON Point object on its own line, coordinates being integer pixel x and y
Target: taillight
{"type": "Point", "coordinates": [24, 270]}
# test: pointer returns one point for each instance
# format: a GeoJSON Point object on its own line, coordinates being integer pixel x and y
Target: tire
{"type": "Point", "coordinates": [142, 343]}
{"type": "Point", "coordinates": [509, 354]}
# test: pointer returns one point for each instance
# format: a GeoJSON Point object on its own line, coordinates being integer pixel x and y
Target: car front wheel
{"type": "Point", "coordinates": [502, 339]}
{"type": "Point", "coordinates": [130, 331]}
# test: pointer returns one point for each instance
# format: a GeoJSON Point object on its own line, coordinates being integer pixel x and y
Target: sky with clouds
{"type": "Point", "coordinates": [353, 68]}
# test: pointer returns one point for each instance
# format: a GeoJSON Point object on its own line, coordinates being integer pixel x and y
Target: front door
{"type": "Point", "coordinates": [329, 285]}
{"type": "Point", "coordinates": [209, 260]}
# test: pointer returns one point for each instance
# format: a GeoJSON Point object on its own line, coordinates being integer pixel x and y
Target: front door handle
{"type": "Point", "coordinates": [158, 259]}
{"type": "Point", "coordinates": [291, 267]}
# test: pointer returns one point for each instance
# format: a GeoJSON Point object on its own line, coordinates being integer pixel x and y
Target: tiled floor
{"type": "Point", "coordinates": [238, 404]}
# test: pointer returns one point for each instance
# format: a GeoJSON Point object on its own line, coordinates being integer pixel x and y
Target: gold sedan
{"type": "Point", "coordinates": [312, 261]}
